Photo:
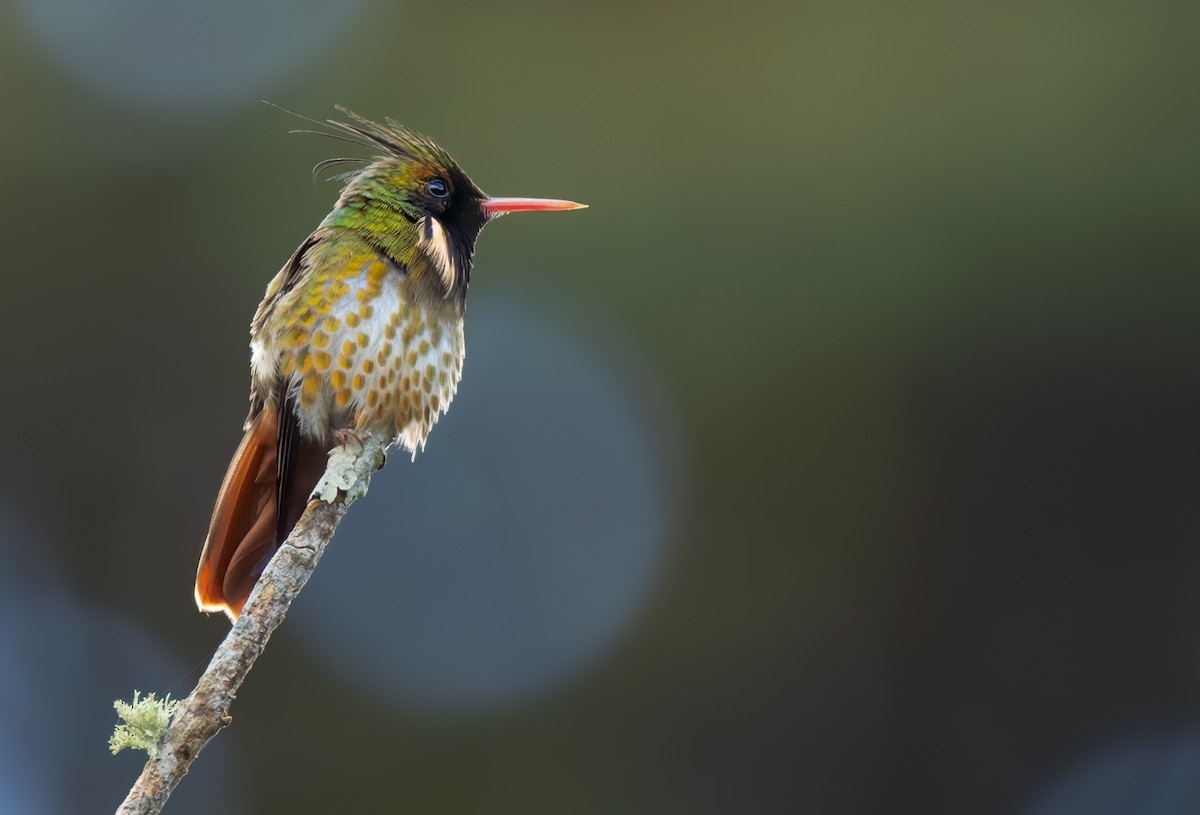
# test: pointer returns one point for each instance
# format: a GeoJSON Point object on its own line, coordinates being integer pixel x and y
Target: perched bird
{"type": "Point", "coordinates": [361, 330]}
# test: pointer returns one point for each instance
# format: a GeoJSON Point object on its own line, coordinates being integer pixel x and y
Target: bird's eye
{"type": "Point", "coordinates": [437, 188]}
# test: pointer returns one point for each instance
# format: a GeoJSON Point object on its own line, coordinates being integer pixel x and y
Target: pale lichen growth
{"type": "Point", "coordinates": [145, 722]}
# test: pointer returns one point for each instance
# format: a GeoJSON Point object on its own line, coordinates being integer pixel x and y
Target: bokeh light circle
{"type": "Point", "coordinates": [519, 545]}
{"type": "Point", "coordinates": [183, 57]}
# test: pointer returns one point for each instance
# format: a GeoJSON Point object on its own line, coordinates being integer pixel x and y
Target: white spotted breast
{"type": "Point", "coordinates": [371, 358]}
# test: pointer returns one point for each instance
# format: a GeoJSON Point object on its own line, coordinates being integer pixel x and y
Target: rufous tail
{"type": "Point", "coordinates": [246, 526]}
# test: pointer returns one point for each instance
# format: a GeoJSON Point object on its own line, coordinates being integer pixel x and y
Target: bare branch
{"type": "Point", "coordinates": [206, 711]}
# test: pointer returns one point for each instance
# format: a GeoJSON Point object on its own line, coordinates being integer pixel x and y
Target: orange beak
{"type": "Point", "coordinates": [495, 207]}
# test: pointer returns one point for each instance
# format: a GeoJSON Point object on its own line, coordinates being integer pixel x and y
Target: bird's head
{"type": "Point", "coordinates": [415, 203]}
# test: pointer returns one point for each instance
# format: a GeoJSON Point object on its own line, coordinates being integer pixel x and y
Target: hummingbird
{"type": "Point", "coordinates": [361, 330]}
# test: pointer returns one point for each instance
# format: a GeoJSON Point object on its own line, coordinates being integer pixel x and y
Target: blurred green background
{"type": "Point", "coordinates": [895, 306]}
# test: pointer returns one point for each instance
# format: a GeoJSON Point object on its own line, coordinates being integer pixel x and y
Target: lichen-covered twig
{"type": "Point", "coordinates": [202, 715]}
{"type": "Point", "coordinates": [144, 722]}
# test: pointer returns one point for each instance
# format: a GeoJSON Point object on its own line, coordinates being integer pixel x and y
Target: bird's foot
{"type": "Point", "coordinates": [351, 462]}
{"type": "Point", "coordinates": [348, 439]}
{"type": "Point", "coordinates": [354, 443]}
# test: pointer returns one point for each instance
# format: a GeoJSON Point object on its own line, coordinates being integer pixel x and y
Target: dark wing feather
{"type": "Point", "coordinates": [301, 464]}
{"type": "Point", "coordinates": [280, 285]}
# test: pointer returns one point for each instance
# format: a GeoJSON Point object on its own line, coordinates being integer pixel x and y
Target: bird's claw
{"type": "Point", "coordinates": [348, 439]}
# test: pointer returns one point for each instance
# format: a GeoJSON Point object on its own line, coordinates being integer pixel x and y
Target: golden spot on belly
{"type": "Point", "coordinates": [310, 388]}
{"type": "Point", "coordinates": [321, 360]}
{"type": "Point", "coordinates": [352, 320]}
{"type": "Point", "coordinates": [320, 339]}
{"type": "Point", "coordinates": [360, 382]}
{"type": "Point", "coordinates": [363, 339]}
{"type": "Point", "coordinates": [338, 379]}
{"type": "Point", "coordinates": [412, 328]}
{"type": "Point", "coordinates": [368, 366]}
